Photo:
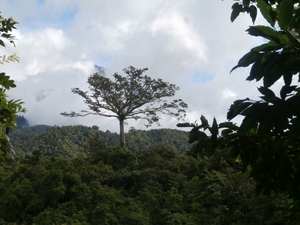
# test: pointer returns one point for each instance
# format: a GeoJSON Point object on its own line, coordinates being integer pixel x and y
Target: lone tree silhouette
{"type": "Point", "coordinates": [135, 96]}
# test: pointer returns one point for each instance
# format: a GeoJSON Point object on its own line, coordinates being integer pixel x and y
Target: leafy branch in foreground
{"type": "Point", "coordinates": [8, 108]}
{"type": "Point", "coordinates": [267, 140]}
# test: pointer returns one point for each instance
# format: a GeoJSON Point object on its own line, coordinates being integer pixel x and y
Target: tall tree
{"type": "Point", "coordinates": [135, 96]}
{"type": "Point", "coordinates": [8, 108]}
{"type": "Point", "coordinates": [267, 140]}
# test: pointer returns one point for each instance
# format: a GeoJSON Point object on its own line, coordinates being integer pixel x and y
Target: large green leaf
{"type": "Point", "coordinates": [285, 13]}
{"type": "Point", "coordinates": [6, 82]}
{"type": "Point", "coordinates": [237, 108]}
{"type": "Point", "coordinates": [287, 79]}
{"type": "Point", "coordinates": [257, 70]}
{"type": "Point", "coordinates": [2, 43]}
{"type": "Point", "coordinates": [247, 125]}
{"type": "Point", "coordinates": [236, 10]}
{"type": "Point", "coordinates": [270, 46]}
{"type": "Point", "coordinates": [270, 79]}
{"type": "Point", "coordinates": [269, 95]}
{"type": "Point", "coordinates": [247, 59]}
{"type": "Point", "coordinates": [266, 11]}
{"type": "Point", "coordinates": [285, 90]}
{"type": "Point", "coordinates": [253, 13]}
{"type": "Point", "coordinates": [264, 31]}
{"type": "Point", "coordinates": [196, 135]}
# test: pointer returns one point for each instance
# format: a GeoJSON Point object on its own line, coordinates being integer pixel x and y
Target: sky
{"type": "Point", "coordinates": [190, 43]}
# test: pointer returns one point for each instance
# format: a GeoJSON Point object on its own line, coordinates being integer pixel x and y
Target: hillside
{"type": "Point", "coordinates": [69, 141]}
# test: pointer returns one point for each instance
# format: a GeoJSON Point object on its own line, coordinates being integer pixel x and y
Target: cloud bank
{"type": "Point", "coordinates": [192, 44]}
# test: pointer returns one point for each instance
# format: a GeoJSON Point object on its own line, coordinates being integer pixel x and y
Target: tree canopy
{"type": "Point", "coordinates": [155, 186]}
{"type": "Point", "coordinates": [135, 96]}
{"type": "Point", "coordinates": [8, 108]}
{"type": "Point", "coordinates": [267, 140]}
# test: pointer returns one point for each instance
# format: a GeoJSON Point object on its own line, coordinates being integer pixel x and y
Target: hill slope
{"type": "Point", "coordinates": [69, 141]}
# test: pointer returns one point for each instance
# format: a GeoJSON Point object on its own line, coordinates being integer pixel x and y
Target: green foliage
{"type": "Point", "coordinates": [8, 108]}
{"type": "Point", "coordinates": [267, 140]}
{"type": "Point", "coordinates": [70, 141]}
{"type": "Point", "coordinates": [135, 96]}
{"type": "Point", "coordinates": [154, 186]}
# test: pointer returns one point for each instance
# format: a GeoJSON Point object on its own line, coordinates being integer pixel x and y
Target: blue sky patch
{"type": "Point", "coordinates": [104, 61]}
{"type": "Point", "coordinates": [202, 77]}
{"type": "Point", "coordinates": [56, 18]}
{"type": "Point", "coordinates": [41, 2]}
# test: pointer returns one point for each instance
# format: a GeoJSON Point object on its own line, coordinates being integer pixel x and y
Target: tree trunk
{"type": "Point", "coordinates": [122, 133]}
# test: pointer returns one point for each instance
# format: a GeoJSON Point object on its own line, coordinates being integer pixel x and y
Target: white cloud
{"type": "Point", "coordinates": [60, 41]}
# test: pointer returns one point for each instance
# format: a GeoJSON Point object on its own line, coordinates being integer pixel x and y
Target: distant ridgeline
{"type": "Point", "coordinates": [69, 141]}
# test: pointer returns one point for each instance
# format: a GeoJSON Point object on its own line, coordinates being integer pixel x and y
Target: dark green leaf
{"type": "Point", "coordinates": [285, 13]}
{"type": "Point", "coordinates": [248, 124]}
{"type": "Point", "coordinates": [185, 125]}
{"type": "Point", "coordinates": [266, 11]}
{"type": "Point", "coordinates": [236, 10]}
{"type": "Point", "coordinates": [196, 135]}
{"type": "Point", "coordinates": [229, 125]}
{"type": "Point", "coordinates": [285, 90]}
{"type": "Point", "coordinates": [253, 13]}
{"type": "Point", "coordinates": [270, 46]}
{"type": "Point", "coordinates": [265, 126]}
{"type": "Point", "coordinates": [264, 31]}
{"type": "Point", "coordinates": [214, 128]}
{"type": "Point", "coordinates": [238, 107]}
{"type": "Point", "coordinates": [199, 147]}
{"type": "Point", "coordinates": [266, 92]}
{"type": "Point", "coordinates": [270, 78]}
{"type": "Point", "coordinates": [225, 132]}
{"type": "Point", "coordinates": [256, 71]}
{"type": "Point", "coordinates": [209, 148]}
{"type": "Point", "coordinates": [214, 144]}
{"type": "Point", "coordinates": [287, 79]}
{"type": "Point", "coordinates": [2, 43]}
{"type": "Point", "coordinates": [247, 59]}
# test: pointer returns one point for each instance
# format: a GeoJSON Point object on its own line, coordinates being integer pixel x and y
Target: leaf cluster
{"type": "Point", "coordinates": [8, 108]}
{"type": "Point", "coordinates": [267, 140]}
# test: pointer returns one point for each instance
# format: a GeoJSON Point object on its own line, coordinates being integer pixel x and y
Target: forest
{"type": "Point", "coordinates": [69, 141]}
{"type": "Point", "coordinates": [155, 185]}
{"type": "Point", "coordinates": [216, 174]}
